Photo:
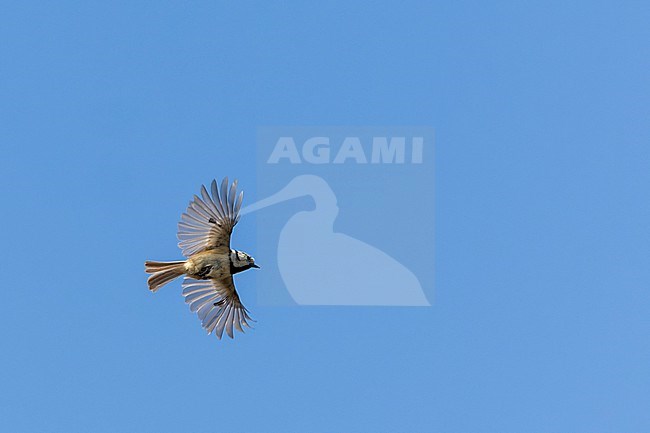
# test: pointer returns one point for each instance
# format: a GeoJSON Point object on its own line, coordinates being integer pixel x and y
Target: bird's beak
{"type": "Point", "coordinates": [255, 266]}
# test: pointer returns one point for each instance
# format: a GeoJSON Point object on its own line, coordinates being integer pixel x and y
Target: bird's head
{"type": "Point", "coordinates": [241, 261]}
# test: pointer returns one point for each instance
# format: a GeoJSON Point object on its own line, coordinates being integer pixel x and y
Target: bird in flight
{"type": "Point", "coordinates": [204, 237]}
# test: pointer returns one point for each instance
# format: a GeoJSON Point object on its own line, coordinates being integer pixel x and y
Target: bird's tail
{"type": "Point", "coordinates": [162, 273]}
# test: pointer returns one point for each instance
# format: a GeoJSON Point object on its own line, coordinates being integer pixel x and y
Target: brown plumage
{"type": "Point", "coordinates": [204, 234]}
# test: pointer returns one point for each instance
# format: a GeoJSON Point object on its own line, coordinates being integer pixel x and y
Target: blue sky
{"type": "Point", "coordinates": [114, 113]}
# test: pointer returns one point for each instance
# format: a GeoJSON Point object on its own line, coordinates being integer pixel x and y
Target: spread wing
{"type": "Point", "coordinates": [208, 221]}
{"type": "Point", "coordinates": [217, 304]}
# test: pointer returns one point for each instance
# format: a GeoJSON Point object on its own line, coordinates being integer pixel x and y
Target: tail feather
{"type": "Point", "coordinates": [162, 273]}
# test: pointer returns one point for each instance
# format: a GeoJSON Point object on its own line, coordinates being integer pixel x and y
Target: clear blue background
{"type": "Point", "coordinates": [112, 114]}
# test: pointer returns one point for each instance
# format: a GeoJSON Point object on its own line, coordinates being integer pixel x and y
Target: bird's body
{"type": "Point", "coordinates": [204, 234]}
{"type": "Point", "coordinates": [212, 264]}
{"type": "Point", "coordinates": [207, 264]}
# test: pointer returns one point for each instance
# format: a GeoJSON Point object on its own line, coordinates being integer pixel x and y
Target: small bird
{"type": "Point", "coordinates": [204, 237]}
